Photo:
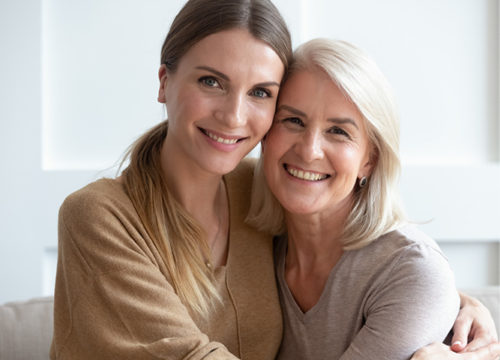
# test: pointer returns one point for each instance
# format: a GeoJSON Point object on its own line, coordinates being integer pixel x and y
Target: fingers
{"type": "Point", "coordinates": [435, 351]}
{"type": "Point", "coordinates": [490, 352]}
{"type": "Point", "coordinates": [461, 330]}
{"type": "Point", "coordinates": [480, 342]}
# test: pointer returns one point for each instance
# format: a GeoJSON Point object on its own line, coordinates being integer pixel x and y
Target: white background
{"type": "Point", "coordinates": [78, 83]}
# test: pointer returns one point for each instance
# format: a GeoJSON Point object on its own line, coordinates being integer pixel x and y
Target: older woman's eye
{"type": "Point", "coordinates": [209, 81]}
{"type": "Point", "coordinates": [339, 131]}
{"type": "Point", "coordinates": [293, 120]}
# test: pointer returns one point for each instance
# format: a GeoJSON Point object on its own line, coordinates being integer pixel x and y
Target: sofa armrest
{"type": "Point", "coordinates": [26, 329]}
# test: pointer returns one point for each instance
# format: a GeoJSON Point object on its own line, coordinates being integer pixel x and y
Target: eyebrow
{"type": "Point", "coordinates": [344, 121]}
{"type": "Point", "coordinates": [226, 78]}
{"type": "Point", "coordinates": [292, 110]}
{"type": "Point", "coordinates": [334, 120]}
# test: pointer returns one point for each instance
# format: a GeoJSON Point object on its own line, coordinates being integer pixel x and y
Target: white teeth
{"type": "Point", "coordinates": [221, 140]}
{"type": "Point", "coordinates": [306, 175]}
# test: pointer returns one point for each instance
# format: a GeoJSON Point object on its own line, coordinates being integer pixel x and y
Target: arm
{"type": "Point", "coordinates": [112, 300]}
{"type": "Point", "coordinates": [473, 322]}
{"type": "Point", "coordinates": [413, 306]}
{"type": "Point", "coordinates": [438, 351]}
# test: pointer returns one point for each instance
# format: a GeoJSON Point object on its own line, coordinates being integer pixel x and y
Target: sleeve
{"type": "Point", "coordinates": [111, 299]}
{"type": "Point", "coordinates": [414, 306]}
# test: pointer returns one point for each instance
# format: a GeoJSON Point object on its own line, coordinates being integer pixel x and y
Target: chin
{"type": "Point", "coordinates": [300, 209]}
{"type": "Point", "coordinates": [222, 167]}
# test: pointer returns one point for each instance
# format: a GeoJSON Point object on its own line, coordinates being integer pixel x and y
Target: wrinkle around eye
{"type": "Point", "coordinates": [293, 123]}
{"type": "Point", "coordinates": [339, 131]}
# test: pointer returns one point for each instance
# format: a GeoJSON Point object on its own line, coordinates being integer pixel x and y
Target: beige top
{"type": "Point", "coordinates": [113, 299]}
{"type": "Point", "coordinates": [382, 301]}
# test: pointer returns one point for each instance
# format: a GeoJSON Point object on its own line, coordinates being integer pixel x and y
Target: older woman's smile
{"type": "Point", "coordinates": [307, 175]}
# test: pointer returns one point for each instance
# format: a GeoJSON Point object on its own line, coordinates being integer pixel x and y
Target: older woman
{"type": "Point", "coordinates": [356, 280]}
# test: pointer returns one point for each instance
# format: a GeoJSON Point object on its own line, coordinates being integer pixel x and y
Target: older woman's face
{"type": "Point", "coordinates": [317, 147]}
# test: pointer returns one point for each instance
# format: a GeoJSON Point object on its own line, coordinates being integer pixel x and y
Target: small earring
{"type": "Point", "coordinates": [363, 181]}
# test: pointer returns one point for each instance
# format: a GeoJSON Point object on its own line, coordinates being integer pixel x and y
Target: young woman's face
{"type": "Point", "coordinates": [317, 147]}
{"type": "Point", "coordinates": [221, 99]}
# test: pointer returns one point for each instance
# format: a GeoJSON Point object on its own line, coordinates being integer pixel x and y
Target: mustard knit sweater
{"type": "Point", "coordinates": [113, 299]}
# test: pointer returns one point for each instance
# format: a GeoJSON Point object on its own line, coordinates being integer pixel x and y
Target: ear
{"type": "Point", "coordinates": [162, 76]}
{"type": "Point", "coordinates": [370, 163]}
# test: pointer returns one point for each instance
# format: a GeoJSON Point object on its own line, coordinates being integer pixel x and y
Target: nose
{"type": "Point", "coordinates": [309, 146]}
{"type": "Point", "coordinates": [231, 111]}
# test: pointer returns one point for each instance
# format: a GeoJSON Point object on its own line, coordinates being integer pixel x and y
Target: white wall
{"type": "Point", "coordinates": [78, 84]}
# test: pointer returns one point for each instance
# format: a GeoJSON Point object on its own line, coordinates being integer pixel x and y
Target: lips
{"type": "Point", "coordinates": [304, 174]}
{"type": "Point", "coordinates": [222, 139]}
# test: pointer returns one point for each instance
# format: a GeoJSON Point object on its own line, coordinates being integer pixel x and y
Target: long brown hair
{"type": "Point", "coordinates": [178, 237]}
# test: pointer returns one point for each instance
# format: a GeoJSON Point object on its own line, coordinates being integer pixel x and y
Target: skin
{"type": "Point", "coordinates": [220, 102]}
{"type": "Point", "coordinates": [439, 351]}
{"type": "Point", "coordinates": [473, 322]}
{"type": "Point", "coordinates": [317, 150]}
{"type": "Point", "coordinates": [222, 91]}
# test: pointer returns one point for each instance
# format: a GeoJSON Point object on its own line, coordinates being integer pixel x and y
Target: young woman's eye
{"type": "Point", "coordinates": [209, 81]}
{"type": "Point", "coordinates": [261, 93]}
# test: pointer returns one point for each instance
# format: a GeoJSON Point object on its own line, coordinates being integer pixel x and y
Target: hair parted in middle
{"type": "Point", "coordinates": [178, 237]}
{"type": "Point", "coordinates": [377, 208]}
{"type": "Point", "coordinates": [200, 18]}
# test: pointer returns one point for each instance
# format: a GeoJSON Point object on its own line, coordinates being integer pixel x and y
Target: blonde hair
{"type": "Point", "coordinates": [377, 208]}
{"type": "Point", "coordinates": [179, 238]}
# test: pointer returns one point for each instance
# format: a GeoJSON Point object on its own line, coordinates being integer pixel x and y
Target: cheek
{"type": "Point", "coordinates": [348, 160]}
{"type": "Point", "coordinates": [261, 117]}
{"type": "Point", "coordinates": [274, 145]}
{"type": "Point", "coordinates": [186, 107]}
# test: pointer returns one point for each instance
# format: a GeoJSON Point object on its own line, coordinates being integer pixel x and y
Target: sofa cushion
{"type": "Point", "coordinates": [26, 329]}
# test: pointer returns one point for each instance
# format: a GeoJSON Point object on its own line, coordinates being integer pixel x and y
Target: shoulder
{"type": "Point", "coordinates": [404, 252]}
{"type": "Point", "coordinates": [99, 220]}
{"type": "Point", "coordinates": [406, 240]}
{"type": "Point", "coordinates": [96, 203]}
{"type": "Point", "coordinates": [96, 193]}
{"type": "Point", "coordinates": [415, 254]}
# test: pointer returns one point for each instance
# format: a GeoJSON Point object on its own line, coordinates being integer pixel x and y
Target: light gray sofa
{"type": "Point", "coordinates": [26, 327]}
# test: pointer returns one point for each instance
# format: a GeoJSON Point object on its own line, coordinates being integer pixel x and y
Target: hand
{"type": "Point", "coordinates": [438, 351]}
{"type": "Point", "coordinates": [475, 324]}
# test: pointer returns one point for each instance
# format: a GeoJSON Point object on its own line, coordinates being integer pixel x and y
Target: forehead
{"type": "Point", "coordinates": [313, 89]}
{"type": "Point", "coordinates": [235, 51]}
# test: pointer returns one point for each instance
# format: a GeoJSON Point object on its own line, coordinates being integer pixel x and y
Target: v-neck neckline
{"type": "Point", "coordinates": [290, 299]}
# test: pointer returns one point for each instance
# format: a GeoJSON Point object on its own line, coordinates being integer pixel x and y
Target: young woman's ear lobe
{"type": "Point", "coordinates": [162, 76]}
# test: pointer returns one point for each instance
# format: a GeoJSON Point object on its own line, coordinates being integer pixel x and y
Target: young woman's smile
{"type": "Point", "coordinates": [220, 100]}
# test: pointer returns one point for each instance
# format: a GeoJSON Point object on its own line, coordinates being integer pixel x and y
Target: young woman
{"type": "Point", "coordinates": [355, 280]}
{"type": "Point", "coordinates": [159, 263]}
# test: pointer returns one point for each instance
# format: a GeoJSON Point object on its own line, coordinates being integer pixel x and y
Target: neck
{"type": "Point", "coordinates": [194, 188]}
{"type": "Point", "coordinates": [202, 194]}
{"type": "Point", "coordinates": [314, 241]}
{"type": "Point", "coordinates": [314, 248]}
